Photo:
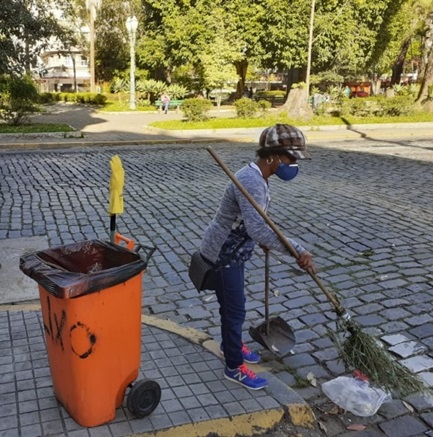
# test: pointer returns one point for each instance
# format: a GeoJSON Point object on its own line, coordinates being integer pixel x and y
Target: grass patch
{"type": "Point", "coordinates": [116, 106]}
{"type": "Point", "coordinates": [31, 128]}
{"type": "Point", "coordinates": [268, 120]}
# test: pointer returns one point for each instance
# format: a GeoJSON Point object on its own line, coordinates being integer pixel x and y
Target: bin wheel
{"type": "Point", "coordinates": [143, 398]}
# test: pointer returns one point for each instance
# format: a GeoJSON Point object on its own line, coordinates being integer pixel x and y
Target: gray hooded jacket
{"type": "Point", "coordinates": [237, 219]}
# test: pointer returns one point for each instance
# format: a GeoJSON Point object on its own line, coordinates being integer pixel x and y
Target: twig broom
{"type": "Point", "coordinates": [357, 349]}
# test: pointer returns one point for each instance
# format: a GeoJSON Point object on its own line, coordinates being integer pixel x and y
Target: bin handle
{"type": "Point", "coordinates": [135, 247]}
{"type": "Point", "coordinates": [129, 243]}
{"type": "Point", "coordinates": [151, 250]}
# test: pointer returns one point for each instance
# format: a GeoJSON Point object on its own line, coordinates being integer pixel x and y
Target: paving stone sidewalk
{"type": "Point", "coordinates": [363, 209]}
{"type": "Point", "coordinates": [190, 378]}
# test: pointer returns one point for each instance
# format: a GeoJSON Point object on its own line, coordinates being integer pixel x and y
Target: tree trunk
{"type": "Point", "coordinates": [376, 86]}
{"type": "Point", "coordinates": [427, 80]}
{"type": "Point", "coordinates": [426, 40]}
{"type": "Point", "coordinates": [168, 73]}
{"type": "Point", "coordinates": [74, 68]}
{"type": "Point", "coordinates": [397, 68]}
{"type": "Point", "coordinates": [27, 57]}
{"type": "Point", "coordinates": [297, 105]}
{"type": "Point", "coordinates": [241, 70]}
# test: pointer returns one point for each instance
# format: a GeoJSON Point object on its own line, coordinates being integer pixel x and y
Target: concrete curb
{"type": "Point", "coordinates": [292, 404]}
{"type": "Point", "coordinates": [207, 135]}
{"type": "Point", "coordinates": [254, 131]}
{"type": "Point", "coordinates": [13, 147]}
{"type": "Point", "coordinates": [36, 135]}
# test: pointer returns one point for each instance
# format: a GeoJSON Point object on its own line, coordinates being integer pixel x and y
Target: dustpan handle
{"type": "Point", "coordinates": [338, 308]}
{"type": "Point", "coordinates": [267, 289]}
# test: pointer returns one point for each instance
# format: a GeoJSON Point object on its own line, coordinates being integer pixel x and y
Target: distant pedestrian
{"type": "Point", "coordinates": [165, 100]}
{"type": "Point", "coordinates": [250, 92]}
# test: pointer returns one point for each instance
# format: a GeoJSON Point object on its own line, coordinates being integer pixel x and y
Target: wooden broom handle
{"type": "Point", "coordinates": [339, 309]}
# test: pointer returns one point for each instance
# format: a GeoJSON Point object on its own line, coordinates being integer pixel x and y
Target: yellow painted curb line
{"type": "Point", "coordinates": [191, 334]}
{"type": "Point", "coordinates": [246, 424]}
{"type": "Point", "coordinates": [21, 307]}
{"type": "Point", "coordinates": [301, 415]}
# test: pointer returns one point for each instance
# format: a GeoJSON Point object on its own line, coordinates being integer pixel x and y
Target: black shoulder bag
{"type": "Point", "coordinates": [203, 274]}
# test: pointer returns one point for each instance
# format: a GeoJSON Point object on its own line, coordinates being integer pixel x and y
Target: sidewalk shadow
{"type": "Point", "coordinates": [350, 127]}
{"type": "Point", "coordinates": [368, 137]}
{"type": "Point", "coordinates": [77, 116]}
{"type": "Point", "coordinates": [116, 126]}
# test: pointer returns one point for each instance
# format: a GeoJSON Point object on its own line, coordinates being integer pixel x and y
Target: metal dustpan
{"type": "Point", "coordinates": [273, 334]}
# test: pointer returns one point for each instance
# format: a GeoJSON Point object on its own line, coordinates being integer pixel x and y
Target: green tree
{"type": "Point", "coordinates": [175, 34]}
{"type": "Point", "coordinates": [26, 27]}
{"type": "Point", "coordinates": [111, 38]}
{"type": "Point", "coordinates": [351, 38]}
{"type": "Point", "coordinates": [219, 61]}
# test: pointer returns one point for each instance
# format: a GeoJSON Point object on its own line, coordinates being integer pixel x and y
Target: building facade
{"type": "Point", "coordinates": [63, 70]}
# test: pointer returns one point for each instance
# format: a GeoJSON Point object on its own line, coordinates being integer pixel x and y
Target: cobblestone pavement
{"type": "Point", "coordinates": [364, 209]}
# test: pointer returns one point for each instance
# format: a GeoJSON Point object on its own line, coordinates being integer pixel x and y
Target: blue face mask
{"type": "Point", "coordinates": [287, 172]}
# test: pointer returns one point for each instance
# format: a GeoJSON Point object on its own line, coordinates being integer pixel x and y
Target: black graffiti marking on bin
{"type": "Point", "coordinates": [49, 330]}
{"type": "Point", "coordinates": [59, 326]}
{"type": "Point", "coordinates": [90, 336]}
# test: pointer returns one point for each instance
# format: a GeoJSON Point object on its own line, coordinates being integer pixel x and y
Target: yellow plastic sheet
{"type": "Point", "coordinates": [117, 182]}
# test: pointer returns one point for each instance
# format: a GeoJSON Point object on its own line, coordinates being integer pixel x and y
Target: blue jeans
{"type": "Point", "coordinates": [231, 297]}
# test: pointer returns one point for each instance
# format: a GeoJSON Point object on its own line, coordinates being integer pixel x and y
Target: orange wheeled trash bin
{"type": "Point", "coordinates": [91, 306]}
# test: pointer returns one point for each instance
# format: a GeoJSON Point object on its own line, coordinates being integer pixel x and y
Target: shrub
{"type": "Point", "coordinates": [66, 97]}
{"type": "Point", "coordinates": [379, 106]}
{"type": "Point", "coordinates": [274, 93]}
{"type": "Point", "coordinates": [143, 102]}
{"type": "Point", "coordinates": [176, 91]}
{"type": "Point", "coordinates": [299, 85]}
{"type": "Point", "coordinates": [83, 98]}
{"type": "Point", "coordinates": [196, 109]}
{"type": "Point", "coordinates": [18, 98]}
{"type": "Point", "coordinates": [45, 98]}
{"type": "Point", "coordinates": [411, 89]}
{"type": "Point", "coordinates": [246, 108]}
{"type": "Point", "coordinates": [395, 106]}
{"type": "Point", "coordinates": [118, 85]}
{"type": "Point", "coordinates": [358, 107]}
{"type": "Point", "coordinates": [264, 105]}
{"type": "Point", "coordinates": [152, 88]}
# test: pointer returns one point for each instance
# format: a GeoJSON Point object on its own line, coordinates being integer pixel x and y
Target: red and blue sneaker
{"type": "Point", "coordinates": [246, 377]}
{"type": "Point", "coordinates": [248, 355]}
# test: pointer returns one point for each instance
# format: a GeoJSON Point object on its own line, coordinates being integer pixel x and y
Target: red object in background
{"type": "Point", "coordinates": [360, 94]}
{"type": "Point", "coordinates": [359, 89]}
{"type": "Point", "coordinates": [360, 375]}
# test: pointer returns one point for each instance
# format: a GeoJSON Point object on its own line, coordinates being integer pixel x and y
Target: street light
{"type": "Point", "coordinates": [131, 26]}
{"type": "Point", "coordinates": [92, 6]}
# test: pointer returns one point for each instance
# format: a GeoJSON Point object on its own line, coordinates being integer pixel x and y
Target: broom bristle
{"type": "Point", "coordinates": [362, 351]}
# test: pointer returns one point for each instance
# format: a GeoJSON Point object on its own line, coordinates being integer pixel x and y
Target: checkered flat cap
{"type": "Point", "coordinates": [285, 138]}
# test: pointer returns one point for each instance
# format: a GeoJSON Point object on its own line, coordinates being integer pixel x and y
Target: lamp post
{"type": "Point", "coordinates": [131, 26]}
{"type": "Point", "coordinates": [92, 5]}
